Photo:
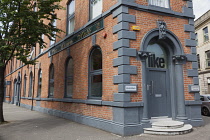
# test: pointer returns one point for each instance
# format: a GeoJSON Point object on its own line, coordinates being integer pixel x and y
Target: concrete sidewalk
{"type": "Point", "coordinates": [31, 125]}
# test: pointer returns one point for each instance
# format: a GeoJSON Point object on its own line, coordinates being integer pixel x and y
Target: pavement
{"type": "Point", "coordinates": [24, 124]}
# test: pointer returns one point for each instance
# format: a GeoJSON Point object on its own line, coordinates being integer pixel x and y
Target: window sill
{"type": "Point", "coordinates": [94, 101]}
{"type": "Point", "coordinates": [24, 97]}
{"type": "Point", "coordinates": [37, 98]}
{"type": "Point", "coordinates": [150, 5]}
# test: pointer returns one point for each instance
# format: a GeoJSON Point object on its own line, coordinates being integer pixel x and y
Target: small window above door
{"type": "Point", "coordinates": [160, 3]}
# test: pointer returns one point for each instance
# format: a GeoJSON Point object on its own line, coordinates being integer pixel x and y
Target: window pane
{"type": "Point", "coordinates": [96, 60]}
{"type": "Point", "coordinates": [71, 7]}
{"type": "Point", "coordinates": [96, 85]}
{"type": "Point", "coordinates": [51, 81]}
{"type": "Point", "coordinates": [205, 33]}
{"type": "Point", "coordinates": [54, 38]}
{"type": "Point", "coordinates": [71, 25]}
{"type": "Point", "coordinates": [158, 58]}
{"type": "Point", "coordinates": [51, 90]}
{"type": "Point", "coordinates": [52, 73]}
{"type": "Point", "coordinates": [161, 3]}
{"type": "Point", "coordinates": [69, 78]}
{"type": "Point", "coordinates": [208, 54]}
{"type": "Point", "coordinates": [96, 8]}
{"type": "Point", "coordinates": [208, 63]}
{"type": "Point", "coordinates": [39, 83]}
{"type": "Point", "coordinates": [30, 85]}
{"type": "Point", "coordinates": [69, 87]}
{"type": "Point", "coordinates": [24, 89]}
{"type": "Point", "coordinates": [70, 68]}
{"type": "Point", "coordinates": [196, 38]}
{"type": "Point", "coordinates": [205, 30]}
{"type": "Point", "coordinates": [198, 57]}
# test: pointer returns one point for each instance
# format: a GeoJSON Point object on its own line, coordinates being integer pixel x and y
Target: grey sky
{"type": "Point", "coordinates": [200, 7]}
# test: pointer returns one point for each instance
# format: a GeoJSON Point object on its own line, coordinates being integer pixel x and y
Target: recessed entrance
{"type": "Point", "coordinates": [16, 96]}
{"type": "Point", "coordinates": [157, 80]}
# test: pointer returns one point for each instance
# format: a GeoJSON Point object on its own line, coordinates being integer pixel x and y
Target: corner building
{"type": "Point", "coordinates": [120, 65]}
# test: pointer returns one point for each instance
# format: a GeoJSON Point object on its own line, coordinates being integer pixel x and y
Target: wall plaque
{"type": "Point", "coordinates": [194, 88]}
{"type": "Point", "coordinates": [131, 88]}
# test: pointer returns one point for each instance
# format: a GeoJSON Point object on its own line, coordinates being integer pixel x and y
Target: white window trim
{"type": "Point", "coordinates": [160, 3]}
{"type": "Point", "coordinates": [94, 12]}
{"type": "Point", "coordinates": [70, 17]}
{"type": "Point", "coordinates": [205, 35]}
{"type": "Point", "coordinates": [54, 38]}
{"type": "Point", "coordinates": [207, 59]}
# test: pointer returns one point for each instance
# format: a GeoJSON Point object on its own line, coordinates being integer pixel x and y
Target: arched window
{"type": "Point", "coordinates": [69, 73]}
{"type": "Point", "coordinates": [39, 83]}
{"type": "Point", "coordinates": [95, 73]}
{"type": "Point", "coordinates": [24, 86]}
{"type": "Point", "coordinates": [51, 81]}
{"type": "Point", "coordinates": [30, 85]}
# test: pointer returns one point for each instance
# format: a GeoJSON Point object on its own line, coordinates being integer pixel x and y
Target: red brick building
{"type": "Point", "coordinates": [120, 64]}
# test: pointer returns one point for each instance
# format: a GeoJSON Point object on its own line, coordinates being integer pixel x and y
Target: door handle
{"type": "Point", "coordinates": [152, 87]}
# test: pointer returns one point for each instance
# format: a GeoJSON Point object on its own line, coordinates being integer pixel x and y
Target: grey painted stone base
{"type": "Point", "coordinates": [7, 101]}
{"type": "Point", "coordinates": [107, 125]}
{"type": "Point", "coordinates": [193, 110]}
{"type": "Point", "coordinates": [129, 124]}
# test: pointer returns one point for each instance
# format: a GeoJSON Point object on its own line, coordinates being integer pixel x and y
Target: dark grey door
{"type": "Point", "coordinates": [16, 93]}
{"type": "Point", "coordinates": [157, 92]}
{"type": "Point", "coordinates": [158, 80]}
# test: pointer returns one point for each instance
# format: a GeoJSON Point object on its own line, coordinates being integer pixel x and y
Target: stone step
{"type": "Point", "coordinates": [167, 124]}
{"type": "Point", "coordinates": [175, 131]}
{"type": "Point", "coordinates": [157, 119]}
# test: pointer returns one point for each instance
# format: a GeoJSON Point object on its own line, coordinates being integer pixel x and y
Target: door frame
{"type": "Point", "coordinates": [174, 47]}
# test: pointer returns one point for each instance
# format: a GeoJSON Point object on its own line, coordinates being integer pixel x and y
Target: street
{"type": "Point", "coordinates": [25, 124]}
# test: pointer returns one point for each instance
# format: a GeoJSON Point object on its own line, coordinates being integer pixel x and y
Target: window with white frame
{"type": "Point", "coordinates": [160, 3]}
{"type": "Point", "coordinates": [205, 34]}
{"type": "Point", "coordinates": [207, 59]}
{"type": "Point", "coordinates": [70, 16]}
{"type": "Point", "coordinates": [95, 8]}
{"type": "Point", "coordinates": [53, 38]}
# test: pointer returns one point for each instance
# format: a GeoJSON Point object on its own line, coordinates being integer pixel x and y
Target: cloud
{"type": "Point", "coordinates": [200, 7]}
